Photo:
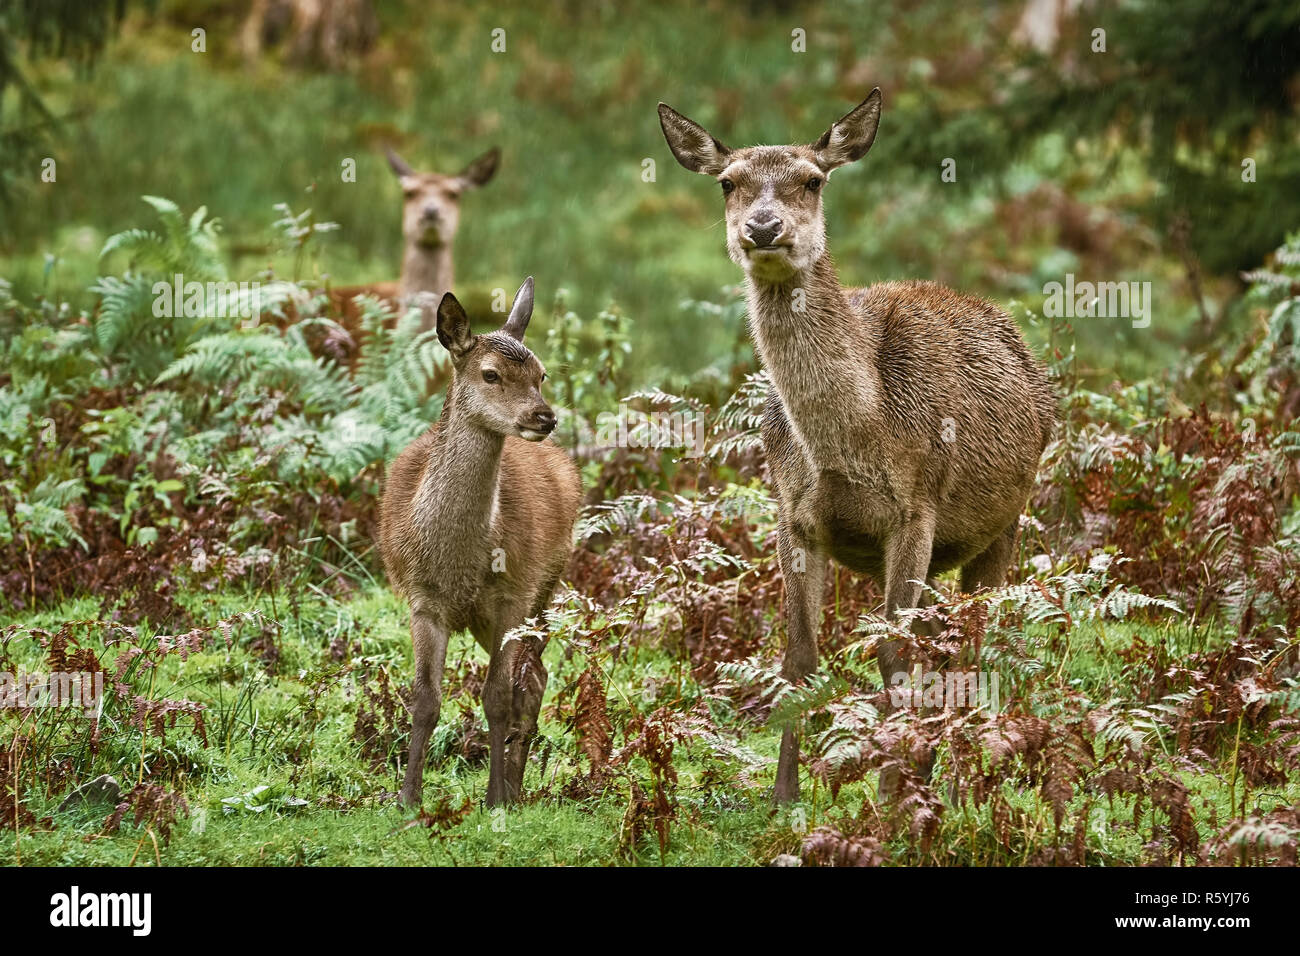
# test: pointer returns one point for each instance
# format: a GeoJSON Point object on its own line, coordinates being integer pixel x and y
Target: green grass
{"type": "Point", "coordinates": [256, 718]}
{"type": "Point", "coordinates": [539, 835]}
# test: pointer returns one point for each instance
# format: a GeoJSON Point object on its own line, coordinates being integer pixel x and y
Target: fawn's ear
{"type": "Point", "coordinates": [520, 312]}
{"type": "Point", "coordinates": [851, 136]}
{"type": "Point", "coordinates": [453, 327]}
{"type": "Point", "coordinates": [692, 144]}
{"type": "Point", "coordinates": [481, 169]}
{"type": "Point", "coordinates": [399, 166]}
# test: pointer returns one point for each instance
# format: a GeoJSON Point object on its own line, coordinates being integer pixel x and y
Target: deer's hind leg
{"type": "Point", "coordinates": [988, 569]}
{"type": "Point", "coordinates": [429, 638]}
{"type": "Point", "coordinates": [512, 699]}
{"type": "Point", "coordinates": [544, 594]}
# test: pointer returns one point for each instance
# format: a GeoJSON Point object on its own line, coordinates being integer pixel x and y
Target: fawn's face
{"type": "Point", "coordinates": [498, 380]}
{"type": "Point", "coordinates": [772, 194]}
{"type": "Point", "coordinates": [431, 201]}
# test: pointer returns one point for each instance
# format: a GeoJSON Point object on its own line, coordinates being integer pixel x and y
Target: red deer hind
{"type": "Point", "coordinates": [430, 218]}
{"type": "Point", "coordinates": [905, 422]}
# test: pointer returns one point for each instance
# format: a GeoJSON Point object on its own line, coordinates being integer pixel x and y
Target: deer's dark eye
{"type": "Point", "coordinates": [727, 186]}
{"type": "Point", "coordinates": [814, 184]}
{"type": "Point", "coordinates": [490, 376]}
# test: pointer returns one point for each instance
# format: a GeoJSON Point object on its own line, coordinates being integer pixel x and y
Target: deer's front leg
{"type": "Point", "coordinates": [528, 685]}
{"type": "Point", "coordinates": [804, 568]}
{"type": "Point", "coordinates": [430, 640]}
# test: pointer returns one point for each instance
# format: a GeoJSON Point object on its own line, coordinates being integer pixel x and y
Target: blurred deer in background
{"type": "Point", "coordinates": [430, 218]}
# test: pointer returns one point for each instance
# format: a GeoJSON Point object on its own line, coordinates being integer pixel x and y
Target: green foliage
{"type": "Point", "coordinates": [1197, 93]}
{"type": "Point", "coordinates": [74, 30]}
{"type": "Point", "coordinates": [1075, 121]}
{"type": "Point", "coordinates": [129, 328]}
{"type": "Point", "coordinates": [159, 474]}
{"type": "Point", "coordinates": [1278, 289]}
{"type": "Point", "coordinates": [184, 245]}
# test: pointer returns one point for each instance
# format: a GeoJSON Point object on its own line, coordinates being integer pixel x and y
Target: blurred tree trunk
{"type": "Point", "coordinates": [1040, 23]}
{"type": "Point", "coordinates": [324, 34]}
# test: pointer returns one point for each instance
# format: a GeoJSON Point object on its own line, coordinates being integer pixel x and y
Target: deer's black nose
{"type": "Point", "coordinates": [544, 420]}
{"type": "Point", "coordinates": [762, 228]}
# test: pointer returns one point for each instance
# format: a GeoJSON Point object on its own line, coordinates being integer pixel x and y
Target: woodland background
{"type": "Point", "coordinates": [189, 504]}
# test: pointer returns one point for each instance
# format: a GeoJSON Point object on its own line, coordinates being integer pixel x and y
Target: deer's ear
{"type": "Point", "coordinates": [398, 165]}
{"type": "Point", "coordinates": [453, 327]}
{"type": "Point", "coordinates": [851, 136]}
{"type": "Point", "coordinates": [520, 312]}
{"type": "Point", "coordinates": [692, 144]}
{"type": "Point", "coordinates": [481, 169]}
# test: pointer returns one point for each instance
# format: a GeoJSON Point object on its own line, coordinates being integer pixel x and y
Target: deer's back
{"type": "Point", "coordinates": [964, 414]}
{"type": "Point", "coordinates": [343, 304]}
{"type": "Point", "coordinates": [944, 354]}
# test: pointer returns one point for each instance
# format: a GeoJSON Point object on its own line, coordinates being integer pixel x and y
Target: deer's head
{"type": "Point", "coordinates": [498, 380]}
{"type": "Point", "coordinates": [431, 201]}
{"type": "Point", "coordinates": [773, 194]}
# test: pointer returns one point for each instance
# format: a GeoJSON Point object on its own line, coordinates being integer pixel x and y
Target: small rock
{"type": "Point", "coordinates": [103, 789]}
{"type": "Point", "coordinates": [787, 859]}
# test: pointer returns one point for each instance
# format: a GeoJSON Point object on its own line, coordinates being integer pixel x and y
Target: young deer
{"type": "Point", "coordinates": [430, 218]}
{"type": "Point", "coordinates": [906, 421]}
{"type": "Point", "coordinates": [476, 526]}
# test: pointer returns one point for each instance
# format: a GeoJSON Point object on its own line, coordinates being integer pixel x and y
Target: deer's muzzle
{"type": "Point", "coordinates": [538, 425]}
{"type": "Point", "coordinates": [762, 229]}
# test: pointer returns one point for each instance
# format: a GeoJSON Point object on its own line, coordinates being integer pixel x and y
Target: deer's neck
{"type": "Point", "coordinates": [454, 511]}
{"type": "Point", "coordinates": [821, 356]}
{"type": "Point", "coordinates": [426, 269]}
